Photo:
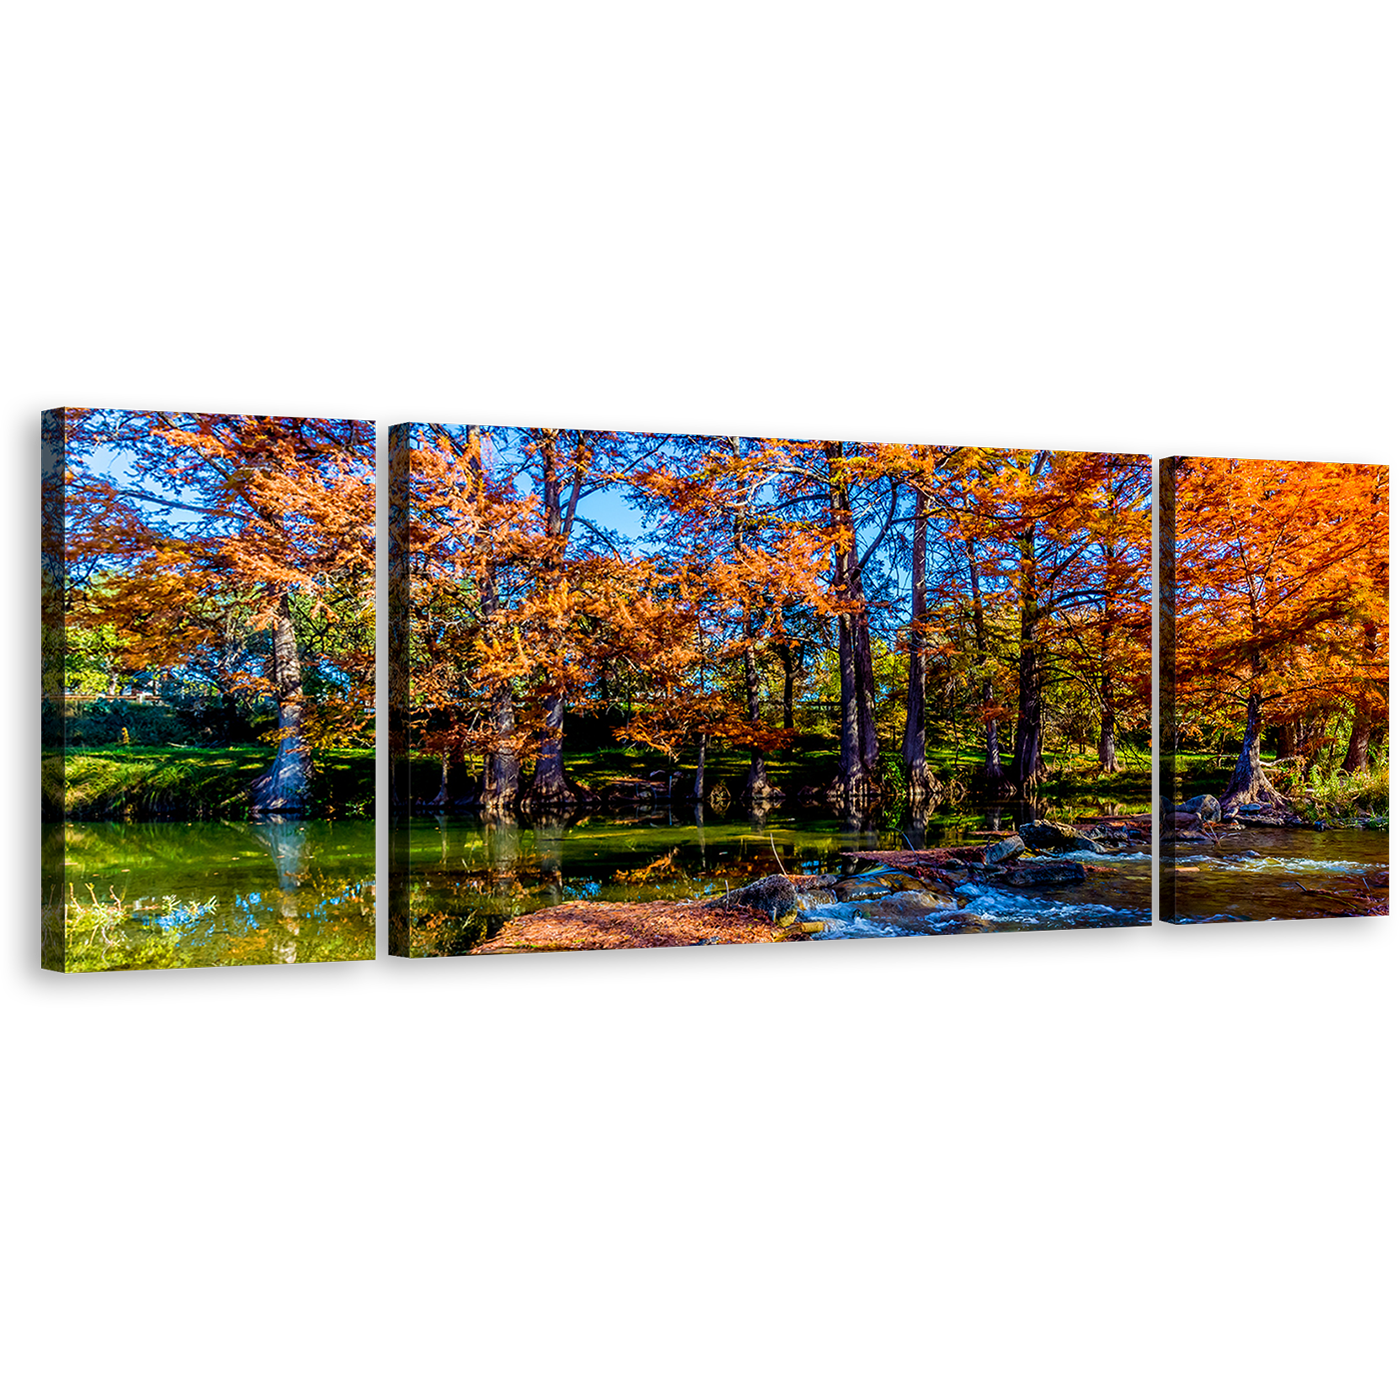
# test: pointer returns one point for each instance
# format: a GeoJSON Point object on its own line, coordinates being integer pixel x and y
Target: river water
{"type": "Point", "coordinates": [466, 877]}
{"type": "Point", "coordinates": [213, 893]}
{"type": "Point", "coordinates": [193, 894]}
{"type": "Point", "coordinates": [1274, 873]}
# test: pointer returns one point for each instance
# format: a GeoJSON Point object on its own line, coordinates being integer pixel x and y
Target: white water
{"type": "Point", "coordinates": [980, 908]}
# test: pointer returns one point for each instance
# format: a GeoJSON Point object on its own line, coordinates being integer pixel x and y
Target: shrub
{"type": "Point", "coordinates": [1337, 796]}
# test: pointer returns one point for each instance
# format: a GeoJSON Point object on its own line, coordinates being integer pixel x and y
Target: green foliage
{"type": "Point", "coordinates": [1342, 796]}
{"type": "Point", "coordinates": [97, 723]}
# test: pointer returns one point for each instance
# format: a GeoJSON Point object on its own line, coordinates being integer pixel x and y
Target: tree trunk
{"type": "Point", "coordinates": [756, 785]}
{"type": "Point", "coordinates": [501, 790]}
{"type": "Point", "coordinates": [286, 786]}
{"type": "Point", "coordinates": [850, 773]}
{"type": "Point", "coordinates": [865, 677]}
{"type": "Point", "coordinates": [1249, 782]}
{"type": "Point", "coordinates": [1029, 705]}
{"type": "Point", "coordinates": [1108, 750]}
{"type": "Point", "coordinates": [1108, 707]}
{"type": "Point", "coordinates": [549, 789]}
{"type": "Point", "coordinates": [697, 792]}
{"type": "Point", "coordinates": [855, 782]}
{"type": "Point", "coordinates": [1359, 745]}
{"type": "Point", "coordinates": [991, 740]}
{"type": "Point", "coordinates": [915, 750]}
{"type": "Point", "coordinates": [789, 670]}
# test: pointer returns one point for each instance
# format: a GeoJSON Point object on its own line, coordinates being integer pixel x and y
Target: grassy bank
{"type": "Point", "coordinates": [810, 761]}
{"type": "Point", "coordinates": [131, 780]}
{"type": "Point", "coordinates": [1314, 794]}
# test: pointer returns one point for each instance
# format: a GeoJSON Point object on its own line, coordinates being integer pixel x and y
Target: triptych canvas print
{"type": "Point", "coordinates": [655, 690]}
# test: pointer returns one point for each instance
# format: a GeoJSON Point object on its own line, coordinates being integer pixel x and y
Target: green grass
{"type": "Point", "coordinates": [1317, 795]}
{"type": "Point", "coordinates": [810, 761]}
{"type": "Point", "coordinates": [1360, 797]}
{"type": "Point", "coordinates": [162, 780]}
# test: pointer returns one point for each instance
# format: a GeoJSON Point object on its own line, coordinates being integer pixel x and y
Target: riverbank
{"type": "Point", "coordinates": [614, 777]}
{"type": "Point", "coordinates": [132, 781]}
{"type": "Point", "coordinates": [1046, 875]}
{"type": "Point", "coordinates": [583, 925]}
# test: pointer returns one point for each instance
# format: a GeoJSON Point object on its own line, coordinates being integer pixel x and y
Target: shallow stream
{"type": "Point", "coordinates": [1274, 873]}
{"type": "Point", "coordinates": [466, 877]}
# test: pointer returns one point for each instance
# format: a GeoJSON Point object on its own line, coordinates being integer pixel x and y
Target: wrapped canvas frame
{"type": "Point", "coordinates": [857, 416]}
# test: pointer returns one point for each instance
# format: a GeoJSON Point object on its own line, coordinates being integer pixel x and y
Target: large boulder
{"type": "Point", "coordinates": [1204, 806]}
{"type": "Point", "coordinates": [1045, 835]}
{"type": "Point", "coordinates": [1005, 850]}
{"type": "Point", "coordinates": [773, 895]}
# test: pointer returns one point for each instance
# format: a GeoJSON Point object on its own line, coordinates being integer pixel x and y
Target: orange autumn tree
{"type": "Point", "coordinates": [927, 470]}
{"type": "Point", "coordinates": [239, 549]}
{"type": "Point", "coordinates": [1281, 582]}
{"type": "Point", "coordinates": [732, 564]}
{"type": "Point", "coordinates": [1043, 560]}
{"type": "Point", "coordinates": [515, 578]}
{"type": "Point", "coordinates": [1105, 638]}
{"type": "Point", "coordinates": [472, 546]}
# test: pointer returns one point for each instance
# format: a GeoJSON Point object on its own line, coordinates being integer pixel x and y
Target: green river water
{"type": "Point", "coordinates": [212, 893]}
{"type": "Point", "coordinates": [465, 878]}
{"type": "Point", "coordinates": [198, 894]}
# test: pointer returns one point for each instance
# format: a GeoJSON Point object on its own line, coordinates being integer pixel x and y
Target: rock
{"type": "Point", "coordinates": [773, 895]}
{"type": "Point", "coordinates": [1250, 807]}
{"type": "Point", "coordinates": [1057, 872]}
{"type": "Point", "coordinates": [812, 898]}
{"type": "Point", "coordinates": [874, 884]}
{"type": "Point", "coordinates": [906, 903]}
{"type": "Point", "coordinates": [1005, 850]}
{"type": "Point", "coordinates": [1046, 835]}
{"type": "Point", "coordinates": [1085, 843]}
{"type": "Point", "coordinates": [969, 855]}
{"type": "Point", "coordinates": [1206, 807]}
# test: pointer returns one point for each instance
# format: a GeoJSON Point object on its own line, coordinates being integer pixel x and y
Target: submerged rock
{"type": "Point", "coordinates": [1056, 872]}
{"type": "Point", "coordinates": [906, 903]}
{"type": "Point", "coordinates": [874, 884]}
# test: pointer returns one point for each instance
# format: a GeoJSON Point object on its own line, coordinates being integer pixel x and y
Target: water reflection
{"type": "Point", "coordinates": [199, 894]}
{"type": "Point", "coordinates": [459, 880]}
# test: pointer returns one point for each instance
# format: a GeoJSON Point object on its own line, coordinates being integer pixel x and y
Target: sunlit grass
{"type": "Point", "coordinates": [1348, 796]}
{"type": "Point", "coordinates": [159, 780]}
